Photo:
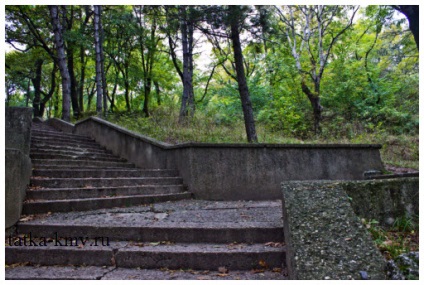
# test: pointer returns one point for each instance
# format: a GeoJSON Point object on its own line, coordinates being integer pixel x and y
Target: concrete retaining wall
{"type": "Point", "coordinates": [236, 171]}
{"type": "Point", "coordinates": [17, 162]}
{"type": "Point", "coordinates": [61, 125]}
{"type": "Point", "coordinates": [384, 200]}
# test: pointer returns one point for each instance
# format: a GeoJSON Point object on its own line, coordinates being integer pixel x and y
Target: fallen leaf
{"type": "Point", "coordinates": [222, 269]}
{"type": "Point", "coordinates": [277, 269]}
{"type": "Point", "coordinates": [154, 243]}
{"type": "Point", "coordinates": [222, 274]}
{"type": "Point", "coordinates": [262, 263]}
{"type": "Point", "coordinates": [254, 271]}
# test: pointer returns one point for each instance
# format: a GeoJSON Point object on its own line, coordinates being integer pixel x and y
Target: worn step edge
{"type": "Point", "coordinates": [49, 149]}
{"type": "Point", "coordinates": [101, 173]}
{"type": "Point", "coordinates": [58, 142]}
{"type": "Point", "coordinates": [55, 141]}
{"type": "Point", "coordinates": [101, 182]}
{"type": "Point", "coordinates": [48, 135]}
{"type": "Point", "coordinates": [75, 193]}
{"type": "Point", "coordinates": [174, 256]}
{"type": "Point", "coordinates": [56, 133]}
{"type": "Point", "coordinates": [79, 162]}
{"type": "Point", "coordinates": [73, 155]}
{"type": "Point", "coordinates": [183, 232]}
{"type": "Point", "coordinates": [112, 273]}
{"type": "Point", "coordinates": [200, 256]}
{"type": "Point", "coordinates": [77, 157]}
{"type": "Point", "coordinates": [72, 205]}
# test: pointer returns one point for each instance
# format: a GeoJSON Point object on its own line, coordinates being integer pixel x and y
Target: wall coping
{"type": "Point", "coordinates": [164, 145]}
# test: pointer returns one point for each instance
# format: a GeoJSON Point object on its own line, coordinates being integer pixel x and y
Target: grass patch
{"type": "Point", "coordinates": [401, 238]}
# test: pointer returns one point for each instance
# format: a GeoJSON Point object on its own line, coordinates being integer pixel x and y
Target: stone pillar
{"type": "Point", "coordinates": [17, 161]}
{"type": "Point", "coordinates": [325, 239]}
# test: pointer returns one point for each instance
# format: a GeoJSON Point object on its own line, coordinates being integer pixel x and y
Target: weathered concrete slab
{"type": "Point", "coordinates": [113, 273]}
{"type": "Point", "coordinates": [200, 256]}
{"type": "Point", "coordinates": [384, 200]}
{"type": "Point", "coordinates": [180, 221]}
{"type": "Point", "coordinates": [166, 274]}
{"type": "Point", "coordinates": [57, 272]}
{"type": "Point", "coordinates": [18, 172]}
{"type": "Point", "coordinates": [17, 162]}
{"type": "Point", "coordinates": [18, 128]}
{"type": "Point", "coordinates": [324, 237]}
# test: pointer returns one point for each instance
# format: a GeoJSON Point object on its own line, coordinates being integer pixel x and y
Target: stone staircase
{"type": "Point", "coordinates": [90, 211]}
{"type": "Point", "coordinates": [74, 173]}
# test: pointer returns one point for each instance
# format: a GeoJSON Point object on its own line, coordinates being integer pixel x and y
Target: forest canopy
{"type": "Point", "coordinates": [295, 71]}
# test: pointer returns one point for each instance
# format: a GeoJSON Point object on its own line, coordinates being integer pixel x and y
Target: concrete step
{"type": "Point", "coordinates": [112, 273]}
{"type": "Point", "coordinates": [43, 127]}
{"type": "Point", "coordinates": [103, 173]}
{"type": "Point", "coordinates": [178, 221]}
{"type": "Point", "coordinates": [198, 256]}
{"type": "Point", "coordinates": [53, 206]}
{"type": "Point", "coordinates": [102, 182]}
{"type": "Point", "coordinates": [45, 147]}
{"type": "Point", "coordinates": [71, 152]}
{"type": "Point", "coordinates": [80, 193]}
{"type": "Point", "coordinates": [79, 163]}
{"type": "Point", "coordinates": [185, 232]}
{"type": "Point", "coordinates": [61, 137]}
{"type": "Point", "coordinates": [60, 142]}
{"type": "Point", "coordinates": [45, 133]}
{"type": "Point", "coordinates": [103, 157]}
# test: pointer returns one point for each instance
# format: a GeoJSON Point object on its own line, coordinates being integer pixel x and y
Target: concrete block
{"type": "Point", "coordinates": [324, 237]}
{"type": "Point", "coordinates": [384, 200]}
{"type": "Point", "coordinates": [18, 128]}
{"type": "Point", "coordinates": [18, 173]}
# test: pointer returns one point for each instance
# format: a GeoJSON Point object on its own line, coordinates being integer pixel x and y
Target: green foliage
{"type": "Point", "coordinates": [369, 90]}
{"type": "Point", "coordinates": [401, 238]}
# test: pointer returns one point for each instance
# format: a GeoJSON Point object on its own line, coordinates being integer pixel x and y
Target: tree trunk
{"type": "Point", "coordinates": [157, 89]}
{"type": "Point", "coordinates": [82, 78]}
{"type": "Point", "coordinates": [147, 90]}
{"type": "Point", "coordinates": [187, 100]}
{"type": "Point", "coordinates": [314, 98]}
{"type": "Point", "coordinates": [102, 64]}
{"type": "Point", "coordinates": [249, 121]}
{"type": "Point", "coordinates": [61, 62]}
{"type": "Point", "coordinates": [412, 13]}
{"type": "Point", "coordinates": [48, 96]}
{"type": "Point", "coordinates": [36, 82]}
{"type": "Point", "coordinates": [73, 86]}
{"type": "Point", "coordinates": [99, 84]}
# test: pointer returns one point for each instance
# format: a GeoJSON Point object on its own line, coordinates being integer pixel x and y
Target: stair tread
{"type": "Point", "coordinates": [39, 201]}
{"type": "Point", "coordinates": [194, 212]}
{"type": "Point", "coordinates": [113, 273]}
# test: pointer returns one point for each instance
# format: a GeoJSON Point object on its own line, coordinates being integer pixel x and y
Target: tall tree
{"type": "Point", "coordinates": [98, 49]}
{"type": "Point", "coordinates": [228, 22]}
{"type": "Point", "coordinates": [187, 17]}
{"type": "Point", "coordinates": [68, 22]}
{"type": "Point", "coordinates": [235, 14]}
{"type": "Point", "coordinates": [61, 61]}
{"type": "Point", "coordinates": [317, 24]}
{"type": "Point", "coordinates": [147, 18]}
